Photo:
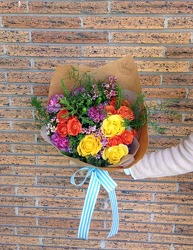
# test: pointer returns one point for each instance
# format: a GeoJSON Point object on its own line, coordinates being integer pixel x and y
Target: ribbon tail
{"type": "Point", "coordinates": [115, 213]}
{"type": "Point", "coordinates": [88, 208]}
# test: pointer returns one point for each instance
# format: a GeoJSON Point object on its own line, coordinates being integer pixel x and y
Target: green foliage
{"type": "Point", "coordinates": [97, 162]}
{"type": "Point", "coordinates": [41, 115]}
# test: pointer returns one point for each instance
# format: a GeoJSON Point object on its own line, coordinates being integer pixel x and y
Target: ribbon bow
{"type": "Point", "coordinates": [98, 177]}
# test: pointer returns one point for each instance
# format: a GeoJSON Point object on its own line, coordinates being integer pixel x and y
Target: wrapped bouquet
{"type": "Point", "coordinates": [96, 118]}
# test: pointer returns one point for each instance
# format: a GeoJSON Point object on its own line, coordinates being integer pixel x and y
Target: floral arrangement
{"type": "Point", "coordinates": [93, 123]}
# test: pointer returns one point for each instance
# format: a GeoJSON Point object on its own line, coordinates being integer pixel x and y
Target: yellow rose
{"type": "Point", "coordinates": [113, 125]}
{"type": "Point", "coordinates": [89, 145]}
{"type": "Point", "coordinates": [115, 153]}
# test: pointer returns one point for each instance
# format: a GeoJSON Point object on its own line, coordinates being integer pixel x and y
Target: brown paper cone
{"type": "Point", "coordinates": [126, 72]}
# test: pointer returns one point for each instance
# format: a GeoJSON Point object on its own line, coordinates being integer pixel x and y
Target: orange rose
{"type": "Point", "coordinates": [125, 103]}
{"type": "Point", "coordinates": [126, 112]}
{"type": "Point", "coordinates": [74, 127]}
{"type": "Point", "coordinates": [114, 141]}
{"type": "Point", "coordinates": [127, 137]}
{"type": "Point", "coordinates": [62, 129]}
{"type": "Point", "coordinates": [62, 116]}
{"type": "Point", "coordinates": [110, 109]}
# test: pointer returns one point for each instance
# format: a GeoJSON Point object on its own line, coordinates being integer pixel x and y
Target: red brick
{"type": "Point", "coordinates": [175, 219]}
{"type": "Point", "coordinates": [42, 22]}
{"type": "Point", "coordinates": [142, 227]}
{"type": "Point", "coordinates": [45, 171]}
{"type": "Point", "coordinates": [165, 92]}
{"type": "Point", "coordinates": [68, 7]}
{"type": "Point", "coordinates": [8, 247]}
{"type": "Point", "coordinates": [46, 50]}
{"type": "Point", "coordinates": [126, 22]}
{"type": "Point", "coordinates": [2, 77]}
{"type": "Point", "coordinates": [188, 119]}
{"type": "Point", "coordinates": [183, 247]}
{"type": "Point", "coordinates": [150, 80]}
{"type": "Point", "coordinates": [41, 90]}
{"type": "Point", "coordinates": [4, 126]}
{"type": "Point", "coordinates": [6, 170]}
{"type": "Point", "coordinates": [178, 52]}
{"type": "Point", "coordinates": [135, 246]}
{"type": "Point", "coordinates": [147, 207]}
{"type": "Point", "coordinates": [180, 23]}
{"type": "Point", "coordinates": [7, 230]}
{"type": "Point", "coordinates": [5, 148]}
{"type": "Point", "coordinates": [69, 37]}
{"type": "Point", "coordinates": [11, 220]}
{"type": "Point", "coordinates": [61, 202]}
{"type": "Point", "coordinates": [174, 198]}
{"type": "Point", "coordinates": [12, 63]}
{"type": "Point", "coordinates": [175, 130]}
{"type": "Point", "coordinates": [151, 37]}
{"type": "Point", "coordinates": [67, 223]}
{"type": "Point", "coordinates": [1, 50]}
{"type": "Point", "coordinates": [24, 126]}
{"type": "Point", "coordinates": [25, 102]}
{"type": "Point", "coordinates": [177, 79]}
{"type": "Point", "coordinates": [185, 209]}
{"type": "Point", "coordinates": [186, 187]}
{"type": "Point", "coordinates": [181, 239]}
{"type": "Point", "coordinates": [17, 180]}
{"type": "Point", "coordinates": [6, 190]}
{"type": "Point", "coordinates": [155, 7]}
{"type": "Point", "coordinates": [15, 89]}
{"type": "Point", "coordinates": [13, 7]}
{"type": "Point", "coordinates": [184, 229]}
{"type": "Point", "coordinates": [70, 243]}
{"type": "Point", "coordinates": [118, 51]}
{"type": "Point", "coordinates": [138, 186]}
{"type": "Point", "coordinates": [59, 160]}
{"type": "Point", "coordinates": [33, 149]}
{"type": "Point", "coordinates": [15, 113]}
{"type": "Point", "coordinates": [31, 77]}
{"type": "Point", "coordinates": [43, 191]}
{"type": "Point", "coordinates": [10, 159]}
{"type": "Point", "coordinates": [52, 63]}
{"type": "Point", "coordinates": [179, 178]}
{"type": "Point", "coordinates": [181, 105]}
{"type": "Point", "coordinates": [162, 66]}
{"type": "Point", "coordinates": [19, 239]}
{"type": "Point", "coordinates": [7, 211]}
{"type": "Point", "coordinates": [4, 101]}
{"type": "Point", "coordinates": [15, 137]}
{"type": "Point", "coordinates": [159, 142]}
{"type": "Point", "coordinates": [14, 36]}
{"type": "Point", "coordinates": [16, 201]}
{"type": "Point", "coordinates": [190, 95]}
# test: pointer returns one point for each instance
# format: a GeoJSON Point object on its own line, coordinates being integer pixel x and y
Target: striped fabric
{"type": "Point", "coordinates": [98, 177]}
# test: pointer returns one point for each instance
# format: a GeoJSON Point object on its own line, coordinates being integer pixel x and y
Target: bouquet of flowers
{"type": "Point", "coordinates": [95, 121]}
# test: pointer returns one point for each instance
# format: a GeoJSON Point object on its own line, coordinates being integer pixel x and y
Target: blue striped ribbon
{"type": "Point", "coordinates": [98, 177]}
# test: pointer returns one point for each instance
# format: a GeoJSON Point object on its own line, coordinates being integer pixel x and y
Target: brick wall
{"type": "Point", "coordinates": [39, 208]}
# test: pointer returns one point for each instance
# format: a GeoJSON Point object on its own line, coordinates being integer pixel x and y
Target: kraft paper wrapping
{"type": "Point", "coordinates": [126, 72]}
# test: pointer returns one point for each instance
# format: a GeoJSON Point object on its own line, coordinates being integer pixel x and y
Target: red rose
{"type": "Point", "coordinates": [127, 137]}
{"type": "Point", "coordinates": [62, 129]}
{"type": "Point", "coordinates": [113, 101]}
{"type": "Point", "coordinates": [74, 127]}
{"type": "Point", "coordinates": [114, 141]}
{"type": "Point", "coordinates": [126, 112]}
{"type": "Point", "coordinates": [62, 116]}
{"type": "Point", "coordinates": [110, 109]}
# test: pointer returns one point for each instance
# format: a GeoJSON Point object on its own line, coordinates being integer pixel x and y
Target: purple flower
{"type": "Point", "coordinates": [54, 104]}
{"type": "Point", "coordinates": [59, 142]}
{"type": "Point", "coordinates": [78, 90]}
{"type": "Point", "coordinates": [97, 113]}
